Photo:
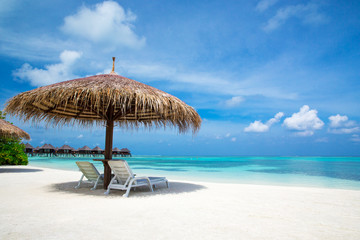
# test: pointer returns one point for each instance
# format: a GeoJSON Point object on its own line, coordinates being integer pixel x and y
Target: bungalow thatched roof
{"type": "Point", "coordinates": [9, 130]}
{"type": "Point", "coordinates": [84, 148]}
{"type": "Point", "coordinates": [125, 150]}
{"type": "Point", "coordinates": [28, 146]}
{"type": "Point", "coordinates": [47, 146]}
{"type": "Point", "coordinates": [66, 147]}
{"type": "Point", "coordinates": [97, 148]}
{"type": "Point", "coordinates": [116, 149]}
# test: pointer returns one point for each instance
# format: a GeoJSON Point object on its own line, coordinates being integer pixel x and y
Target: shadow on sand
{"type": "Point", "coordinates": [175, 188]}
{"type": "Point", "coordinates": [18, 170]}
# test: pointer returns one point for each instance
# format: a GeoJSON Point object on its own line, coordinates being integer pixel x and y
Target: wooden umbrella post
{"type": "Point", "coordinates": [108, 152]}
{"type": "Point", "coordinates": [108, 147]}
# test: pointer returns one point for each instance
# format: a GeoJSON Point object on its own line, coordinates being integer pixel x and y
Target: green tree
{"type": "Point", "coordinates": [11, 150]}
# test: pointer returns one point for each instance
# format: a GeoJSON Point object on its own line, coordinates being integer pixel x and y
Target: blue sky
{"type": "Point", "coordinates": [267, 77]}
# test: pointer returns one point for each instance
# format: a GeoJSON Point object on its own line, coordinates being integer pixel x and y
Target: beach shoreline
{"type": "Point", "coordinates": [334, 173]}
{"type": "Point", "coordinates": [41, 203]}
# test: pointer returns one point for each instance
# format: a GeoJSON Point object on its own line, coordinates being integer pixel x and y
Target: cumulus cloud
{"type": "Point", "coordinates": [258, 126]}
{"type": "Point", "coordinates": [308, 13]}
{"type": "Point", "coordinates": [80, 136]}
{"type": "Point", "coordinates": [233, 139]}
{"type": "Point", "coordinates": [52, 73]}
{"type": "Point", "coordinates": [305, 121]}
{"type": "Point", "coordinates": [107, 22]}
{"type": "Point", "coordinates": [341, 124]}
{"type": "Point", "coordinates": [265, 4]}
{"type": "Point", "coordinates": [234, 101]}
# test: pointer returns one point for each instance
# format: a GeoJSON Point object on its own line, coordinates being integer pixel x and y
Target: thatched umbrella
{"type": "Point", "coordinates": [104, 100]}
{"type": "Point", "coordinates": [9, 130]}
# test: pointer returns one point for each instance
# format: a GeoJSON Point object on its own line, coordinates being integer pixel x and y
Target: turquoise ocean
{"type": "Point", "coordinates": [325, 172]}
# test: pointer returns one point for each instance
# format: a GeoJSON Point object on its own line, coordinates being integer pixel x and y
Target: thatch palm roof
{"type": "Point", "coordinates": [66, 147]}
{"type": "Point", "coordinates": [125, 150]}
{"type": "Point", "coordinates": [28, 146]}
{"type": "Point", "coordinates": [9, 130]}
{"type": "Point", "coordinates": [104, 97]}
{"type": "Point", "coordinates": [84, 148]}
{"type": "Point", "coordinates": [116, 149]}
{"type": "Point", "coordinates": [47, 146]}
{"type": "Point", "coordinates": [97, 148]}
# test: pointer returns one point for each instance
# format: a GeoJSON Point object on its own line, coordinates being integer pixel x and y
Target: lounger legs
{"type": "Point", "coordinates": [130, 185]}
{"type": "Point", "coordinates": [96, 183]}
{"type": "Point", "coordinates": [80, 181]}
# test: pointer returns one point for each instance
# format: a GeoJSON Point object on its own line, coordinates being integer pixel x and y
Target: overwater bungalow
{"type": "Point", "coordinates": [66, 150]}
{"type": "Point", "coordinates": [97, 151]}
{"type": "Point", "coordinates": [85, 150]}
{"type": "Point", "coordinates": [29, 149]}
{"type": "Point", "coordinates": [124, 152]}
{"type": "Point", "coordinates": [36, 150]}
{"type": "Point", "coordinates": [46, 150]}
{"type": "Point", "coordinates": [115, 151]}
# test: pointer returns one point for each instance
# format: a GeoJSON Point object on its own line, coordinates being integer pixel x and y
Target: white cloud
{"type": "Point", "coordinates": [341, 124]}
{"type": "Point", "coordinates": [107, 22]}
{"type": "Point", "coordinates": [338, 120]}
{"type": "Point", "coordinates": [80, 136]}
{"type": "Point", "coordinates": [233, 139]}
{"type": "Point", "coordinates": [305, 121]}
{"type": "Point", "coordinates": [258, 126]}
{"type": "Point", "coordinates": [52, 73]}
{"type": "Point", "coordinates": [265, 4]}
{"type": "Point", "coordinates": [275, 119]}
{"type": "Point", "coordinates": [307, 13]}
{"type": "Point", "coordinates": [234, 101]}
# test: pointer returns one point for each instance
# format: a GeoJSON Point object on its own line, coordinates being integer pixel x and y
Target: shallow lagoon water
{"type": "Point", "coordinates": [328, 172]}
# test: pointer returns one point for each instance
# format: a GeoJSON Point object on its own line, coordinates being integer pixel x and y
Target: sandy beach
{"type": "Point", "coordinates": [39, 203]}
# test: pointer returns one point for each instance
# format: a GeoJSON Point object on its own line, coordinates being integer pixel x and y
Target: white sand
{"type": "Point", "coordinates": [44, 205]}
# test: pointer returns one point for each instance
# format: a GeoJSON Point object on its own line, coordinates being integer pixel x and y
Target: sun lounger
{"type": "Point", "coordinates": [125, 179]}
{"type": "Point", "coordinates": [90, 172]}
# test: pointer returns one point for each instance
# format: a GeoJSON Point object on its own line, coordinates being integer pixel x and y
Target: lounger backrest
{"type": "Point", "coordinates": [122, 170]}
{"type": "Point", "coordinates": [89, 170]}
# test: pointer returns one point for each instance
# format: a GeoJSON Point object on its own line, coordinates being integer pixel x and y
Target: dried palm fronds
{"type": "Point", "coordinates": [9, 130]}
{"type": "Point", "coordinates": [101, 98]}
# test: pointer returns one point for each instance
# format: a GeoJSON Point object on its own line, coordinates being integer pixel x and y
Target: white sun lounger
{"type": "Point", "coordinates": [91, 173]}
{"type": "Point", "coordinates": [125, 179]}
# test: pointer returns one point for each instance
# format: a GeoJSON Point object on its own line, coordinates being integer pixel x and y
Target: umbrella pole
{"type": "Point", "coordinates": [108, 152]}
